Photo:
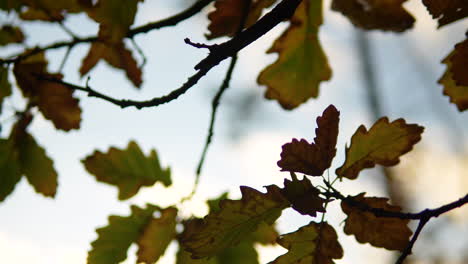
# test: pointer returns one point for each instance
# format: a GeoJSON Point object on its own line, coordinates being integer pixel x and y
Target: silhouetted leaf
{"type": "Point", "coordinates": [55, 101]}
{"type": "Point", "coordinates": [9, 5]}
{"type": "Point", "coordinates": [10, 34]}
{"type": "Point", "coordinates": [157, 235]}
{"type": "Point", "coordinates": [49, 10]}
{"type": "Point", "coordinates": [9, 168]}
{"type": "Point", "coordinates": [117, 55]}
{"type": "Point", "coordinates": [302, 64]}
{"type": "Point", "coordinates": [387, 232]}
{"type": "Point", "coordinates": [5, 87]}
{"type": "Point", "coordinates": [225, 19]}
{"type": "Point", "coordinates": [375, 14]}
{"type": "Point", "coordinates": [113, 240]}
{"type": "Point", "coordinates": [383, 144]}
{"type": "Point", "coordinates": [127, 169]}
{"type": "Point", "coordinates": [454, 79]}
{"type": "Point", "coordinates": [313, 158]}
{"type": "Point", "coordinates": [227, 227]}
{"type": "Point", "coordinates": [315, 243]}
{"type": "Point", "coordinates": [303, 197]}
{"type": "Point", "coordinates": [447, 11]}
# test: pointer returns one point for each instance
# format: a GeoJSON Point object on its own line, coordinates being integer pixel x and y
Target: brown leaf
{"type": "Point", "coordinates": [387, 232]}
{"type": "Point", "coordinates": [55, 101]}
{"type": "Point", "coordinates": [117, 55]}
{"type": "Point", "coordinates": [383, 144]}
{"type": "Point", "coordinates": [303, 197]}
{"type": "Point", "coordinates": [10, 34]}
{"type": "Point", "coordinates": [447, 11]}
{"type": "Point", "coordinates": [375, 14]}
{"type": "Point", "coordinates": [313, 158]}
{"type": "Point", "coordinates": [459, 61]}
{"type": "Point", "coordinates": [225, 19]}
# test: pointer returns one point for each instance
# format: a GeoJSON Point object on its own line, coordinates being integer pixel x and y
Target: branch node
{"type": "Point", "coordinates": [199, 45]}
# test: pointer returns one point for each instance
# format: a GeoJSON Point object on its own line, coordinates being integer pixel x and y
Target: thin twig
{"type": "Point", "coordinates": [140, 51]}
{"type": "Point", "coordinates": [409, 247]}
{"type": "Point", "coordinates": [65, 58]}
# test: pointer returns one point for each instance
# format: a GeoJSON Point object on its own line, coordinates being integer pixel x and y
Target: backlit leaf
{"type": "Point", "coordinates": [376, 14]}
{"type": "Point", "coordinates": [387, 232]}
{"type": "Point", "coordinates": [383, 144]}
{"type": "Point", "coordinates": [10, 34]}
{"type": "Point", "coordinates": [117, 55]}
{"type": "Point", "coordinates": [9, 167]}
{"type": "Point", "coordinates": [313, 158]}
{"type": "Point", "coordinates": [113, 240]}
{"type": "Point", "coordinates": [5, 87]}
{"type": "Point", "coordinates": [55, 101]}
{"type": "Point", "coordinates": [127, 169]}
{"type": "Point", "coordinates": [184, 257]}
{"type": "Point", "coordinates": [303, 197]}
{"type": "Point", "coordinates": [302, 64]}
{"type": "Point", "coordinates": [157, 235]}
{"type": "Point", "coordinates": [315, 243]}
{"type": "Point", "coordinates": [447, 11]}
{"type": "Point", "coordinates": [225, 19]}
{"type": "Point", "coordinates": [227, 227]}
{"type": "Point", "coordinates": [50, 10]}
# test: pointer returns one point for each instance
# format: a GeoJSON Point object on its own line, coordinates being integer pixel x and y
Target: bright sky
{"type": "Point", "coordinates": [39, 230]}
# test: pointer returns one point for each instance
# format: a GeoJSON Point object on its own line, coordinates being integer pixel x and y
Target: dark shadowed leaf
{"type": "Point", "coordinates": [302, 64]}
{"type": "Point", "coordinates": [5, 87]}
{"type": "Point", "coordinates": [227, 227]}
{"type": "Point", "coordinates": [9, 168]}
{"type": "Point", "coordinates": [225, 19]}
{"type": "Point", "coordinates": [447, 11]}
{"type": "Point", "coordinates": [313, 158]}
{"type": "Point", "coordinates": [375, 14]}
{"type": "Point", "coordinates": [386, 232]}
{"type": "Point", "coordinates": [383, 144]}
{"type": "Point", "coordinates": [303, 197]}
{"type": "Point", "coordinates": [113, 240]}
{"type": "Point", "coordinates": [128, 169]}
{"type": "Point", "coordinates": [10, 34]}
{"type": "Point", "coordinates": [315, 243]}
{"type": "Point", "coordinates": [157, 235]}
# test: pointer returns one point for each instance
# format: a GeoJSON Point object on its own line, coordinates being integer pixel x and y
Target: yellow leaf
{"type": "Point", "coordinates": [302, 64]}
{"type": "Point", "coordinates": [383, 144]}
{"type": "Point", "coordinates": [376, 14]}
{"type": "Point", "coordinates": [387, 232]}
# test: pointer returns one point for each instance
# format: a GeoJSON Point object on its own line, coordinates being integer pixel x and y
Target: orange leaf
{"type": "Point", "coordinates": [303, 197]}
{"type": "Point", "coordinates": [383, 144]}
{"type": "Point", "coordinates": [117, 55]}
{"type": "Point", "coordinates": [313, 158]}
{"type": "Point", "coordinates": [55, 101]}
{"type": "Point", "coordinates": [375, 14]}
{"type": "Point", "coordinates": [387, 232]}
{"type": "Point", "coordinates": [225, 19]}
{"type": "Point", "coordinates": [447, 11]}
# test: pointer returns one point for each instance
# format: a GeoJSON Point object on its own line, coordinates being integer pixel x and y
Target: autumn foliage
{"type": "Point", "coordinates": [232, 228]}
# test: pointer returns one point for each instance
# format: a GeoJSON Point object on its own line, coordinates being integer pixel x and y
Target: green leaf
{"type": "Point", "coordinates": [383, 144]}
{"type": "Point", "coordinates": [113, 240]}
{"type": "Point", "coordinates": [236, 218]}
{"type": "Point", "coordinates": [127, 169]}
{"type": "Point", "coordinates": [184, 257]}
{"type": "Point", "coordinates": [37, 166]}
{"type": "Point", "coordinates": [243, 253]}
{"type": "Point", "coordinates": [302, 64]}
{"type": "Point", "coordinates": [5, 87]}
{"type": "Point", "coordinates": [9, 168]}
{"type": "Point", "coordinates": [315, 243]}
{"type": "Point", "coordinates": [156, 236]}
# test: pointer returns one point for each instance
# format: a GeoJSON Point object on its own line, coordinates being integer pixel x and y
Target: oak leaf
{"type": "Point", "coordinates": [49, 10]}
{"type": "Point", "coordinates": [375, 14]}
{"type": "Point", "coordinates": [5, 86]}
{"type": "Point", "coordinates": [227, 227]}
{"type": "Point", "coordinates": [383, 144]}
{"type": "Point", "coordinates": [54, 100]}
{"type": "Point", "coordinates": [117, 55]}
{"type": "Point", "coordinates": [10, 168]}
{"type": "Point", "coordinates": [304, 197]}
{"type": "Point", "coordinates": [10, 34]}
{"type": "Point", "coordinates": [113, 240]}
{"type": "Point", "coordinates": [315, 243]}
{"type": "Point", "coordinates": [156, 236]}
{"type": "Point", "coordinates": [225, 19]}
{"type": "Point", "coordinates": [387, 232]}
{"type": "Point", "coordinates": [447, 11]}
{"type": "Point", "coordinates": [127, 169]}
{"type": "Point", "coordinates": [295, 76]}
{"type": "Point", "coordinates": [313, 158]}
